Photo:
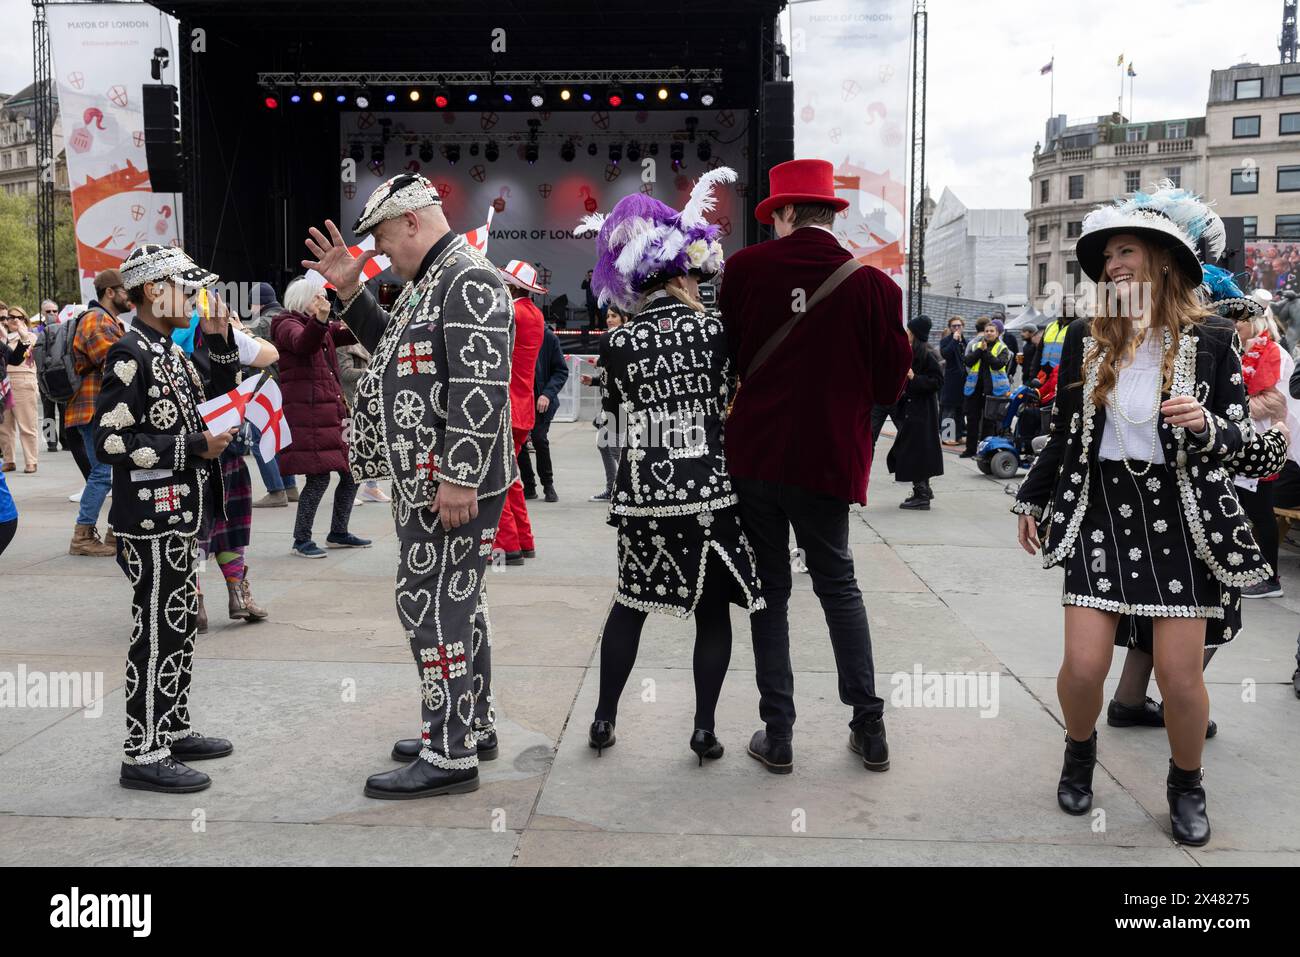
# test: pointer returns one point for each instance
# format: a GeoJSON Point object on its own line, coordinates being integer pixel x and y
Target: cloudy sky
{"type": "Point", "coordinates": [987, 102]}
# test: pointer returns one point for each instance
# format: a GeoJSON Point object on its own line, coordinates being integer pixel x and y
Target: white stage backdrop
{"type": "Point", "coordinates": [538, 206]}
{"type": "Point", "coordinates": [101, 57]}
{"type": "Point", "coordinates": [849, 63]}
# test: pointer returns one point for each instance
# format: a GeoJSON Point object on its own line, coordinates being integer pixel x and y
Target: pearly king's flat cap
{"type": "Point", "coordinates": [155, 263]}
{"type": "Point", "coordinates": [403, 193]}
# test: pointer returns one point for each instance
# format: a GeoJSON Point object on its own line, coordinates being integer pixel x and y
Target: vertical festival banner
{"type": "Point", "coordinates": [849, 60]}
{"type": "Point", "coordinates": [102, 54]}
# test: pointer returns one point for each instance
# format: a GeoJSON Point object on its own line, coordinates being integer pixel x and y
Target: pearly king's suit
{"type": "Point", "coordinates": [432, 407]}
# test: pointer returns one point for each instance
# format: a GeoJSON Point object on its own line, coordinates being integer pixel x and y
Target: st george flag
{"type": "Point", "coordinates": [266, 412]}
{"type": "Point", "coordinates": [478, 238]}
{"type": "Point", "coordinates": [257, 402]}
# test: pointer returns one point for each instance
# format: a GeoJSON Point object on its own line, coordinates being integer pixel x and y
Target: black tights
{"type": "Point", "coordinates": [622, 635]}
{"type": "Point", "coordinates": [7, 530]}
{"type": "Point", "coordinates": [1258, 506]}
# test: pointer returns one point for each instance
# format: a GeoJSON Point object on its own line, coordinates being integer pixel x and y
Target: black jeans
{"type": "Point", "coordinates": [821, 530]}
{"type": "Point", "coordinates": [542, 446]}
{"type": "Point", "coordinates": [977, 427]}
{"type": "Point", "coordinates": [878, 415]}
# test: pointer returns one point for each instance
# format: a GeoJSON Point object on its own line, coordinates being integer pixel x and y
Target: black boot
{"type": "Point", "coordinates": [166, 776]}
{"type": "Point", "coordinates": [601, 736]}
{"type": "Point", "coordinates": [869, 741]}
{"type": "Point", "coordinates": [706, 745]}
{"type": "Point", "coordinates": [924, 489]}
{"type": "Point", "coordinates": [420, 779]}
{"type": "Point", "coordinates": [1190, 823]}
{"type": "Point", "coordinates": [776, 754]}
{"type": "Point", "coordinates": [1074, 793]}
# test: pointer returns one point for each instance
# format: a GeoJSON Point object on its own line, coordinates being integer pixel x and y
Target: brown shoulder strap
{"type": "Point", "coordinates": [828, 286]}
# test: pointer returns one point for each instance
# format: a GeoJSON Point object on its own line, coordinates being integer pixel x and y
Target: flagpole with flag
{"type": "Point", "coordinates": [1119, 106]}
{"type": "Point", "coordinates": [1131, 74]}
{"type": "Point", "coordinates": [1051, 68]}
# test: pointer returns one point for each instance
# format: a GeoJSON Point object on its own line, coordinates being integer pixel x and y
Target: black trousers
{"type": "Point", "coordinates": [957, 413]}
{"type": "Point", "coordinates": [821, 530]}
{"type": "Point", "coordinates": [160, 656]}
{"type": "Point", "coordinates": [1258, 506]}
{"type": "Point", "coordinates": [878, 415]}
{"type": "Point", "coordinates": [976, 425]}
{"type": "Point", "coordinates": [542, 446]}
{"type": "Point", "coordinates": [309, 499]}
{"type": "Point", "coordinates": [72, 443]}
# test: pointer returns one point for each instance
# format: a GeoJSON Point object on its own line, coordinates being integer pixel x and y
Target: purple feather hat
{"type": "Point", "coordinates": [643, 242]}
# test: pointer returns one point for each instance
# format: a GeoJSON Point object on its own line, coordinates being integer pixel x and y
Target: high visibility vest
{"type": "Point", "coordinates": [998, 380]}
{"type": "Point", "coordinates": [1053, 340]}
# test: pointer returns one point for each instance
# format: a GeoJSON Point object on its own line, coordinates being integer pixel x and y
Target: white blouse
{"type": "Point", "coordinates": [1138, 395]}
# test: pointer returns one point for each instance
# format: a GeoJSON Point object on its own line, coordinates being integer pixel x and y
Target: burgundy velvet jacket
{"type": "Point", "coordinates": [804, 418]}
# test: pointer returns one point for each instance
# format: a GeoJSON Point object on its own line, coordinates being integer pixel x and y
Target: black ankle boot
{"type": "Point", "coordinates": [1074, 793]}
{"type": "Point", "coordinates": [1187, 816]}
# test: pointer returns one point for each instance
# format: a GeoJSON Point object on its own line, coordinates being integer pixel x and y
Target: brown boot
{"type": "Point", "coordinates": [85, 541]}
{"type": "Point", "coordinates": [202, 628]}
{"type": "Point", "coordinates": [110, 539]}
{"type": "Point", "coordinates": [242, 603]}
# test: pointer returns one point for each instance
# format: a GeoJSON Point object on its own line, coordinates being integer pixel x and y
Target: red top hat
{"type": "Point", "coordinates": [799, 181]}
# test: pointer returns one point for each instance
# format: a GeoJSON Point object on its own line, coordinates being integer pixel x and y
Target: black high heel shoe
{"type": "Point", "coordinates": [601, 736]}
{"type": "Point", "coordinates": [706, 745]}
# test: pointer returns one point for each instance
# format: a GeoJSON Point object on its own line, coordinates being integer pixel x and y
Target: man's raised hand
{"type": "Point", "coordinates": [334, 260]}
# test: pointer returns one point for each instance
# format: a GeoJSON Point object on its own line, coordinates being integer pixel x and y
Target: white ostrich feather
{"type": "Point", "coordinates": [590, 223]}
{"type": "Point", "coordinates": [702, 200]}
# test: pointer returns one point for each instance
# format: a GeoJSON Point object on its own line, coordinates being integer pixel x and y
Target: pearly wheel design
{"type": "Point", "coordinates": [180, 609]}
{"type": "Point", "coordinates": [135, 736]}
{"type": "Point", "coordinates": [408, 409]}
{"type": "Point", "coordinates": [131, 558]}
{"type": "Point", "coordinates": [178, 553]}
{"type": "Point", "coordinates": [132, 680]}
{"type": "Point", "coordinates": [163, 415]}
{"type": "Point", "coordinates": [169, 674]}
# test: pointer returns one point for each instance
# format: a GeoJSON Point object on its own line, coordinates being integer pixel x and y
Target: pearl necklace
{"type": "Point", "coordinates": [1117, 410]}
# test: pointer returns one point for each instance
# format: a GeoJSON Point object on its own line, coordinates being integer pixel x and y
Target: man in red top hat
{"type": "Point", "coordinates": [514, 531]}
{"type": "Point", "coordinates": [817, 339]}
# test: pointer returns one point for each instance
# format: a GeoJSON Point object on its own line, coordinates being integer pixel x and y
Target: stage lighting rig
{"type": "Point", "coordinates": [704, 151]}
{"type": "Point", "coordinates": [537, 95]}
{"type": "Point", "coordinates": [491, 152]}
{"type": "Point", "coordinates": [426, 151]}
{"type": "Point", "coordinates": [452, 152]}
{"type": "Point", "coordinates": [357, 151]}
{"type": "Point", "coordinates": [591, 149]}
{"type": "Point", "coordinates": [706, 95]}
{"type": "Point", "coordinates": [614, 96]}
{"type": "Point", "coordinates": [633, 151]}
{"type": "Point", "coordinates": [568, 151]}
{"type": "Point", "coordinates": [677, 152]}
{"type": "Point", "coordinates": [615, 153]}
{"type": "Point", "coordinates": [377, 153]}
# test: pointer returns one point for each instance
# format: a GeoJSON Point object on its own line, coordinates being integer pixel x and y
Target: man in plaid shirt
{"type": "Point", "coordinates": [97, 330]}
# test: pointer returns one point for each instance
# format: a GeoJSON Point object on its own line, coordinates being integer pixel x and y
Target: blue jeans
{"type": "Point", "coordinates": [271, 476]}
{"type": "Point", "coordinates": [98, 482]}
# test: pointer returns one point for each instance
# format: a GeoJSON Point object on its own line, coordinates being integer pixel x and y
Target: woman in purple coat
{"type": "Point", "coordinates": [315, 410]}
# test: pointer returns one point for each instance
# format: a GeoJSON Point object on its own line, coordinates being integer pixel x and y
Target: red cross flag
{"type": "Point", "coordinates": [478, 238]}
{"type": "Point", "coordinates": [370, 270]}
{"type": "Point", "coordinates": [227, 411]}
{"type": "Point", "coordinates": [266, 411]}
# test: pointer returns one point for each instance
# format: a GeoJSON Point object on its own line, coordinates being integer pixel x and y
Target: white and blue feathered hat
{"type": "Point", "coordinates": [1225, 297]}
{"type": "Point", "coordinates": [1173, 218]}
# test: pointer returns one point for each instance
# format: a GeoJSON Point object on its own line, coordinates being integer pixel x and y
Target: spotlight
{"type": "Point", "coordinates": [565, 94]}
{"type": "Point", "coordinates": [390, 97]}
{"type": "Point", "coordinates": [591, 149]}
{"type": "Point", "coordinates": [633, 151]}
{"type": "Point", "coordinates": [295, 97]}
{"type": "Point", "coordinates": [362, 101]}
{"type": "Point", "coordinates": [615, 152]}
{"type": "Point", "coordinates": [377, 153]}
{"type": "Point", "coordinates": [357, 151]}
{"type": "Point", "coordinates": [654, 149]}
{"type": "Point", "coordinates": [706, 96]}
{"type": "Point", "coordinates": [426, 151]}
{"type": "Point", "coordinates": [568, 151]}
{"type": "Point", "coordinates": [452, 153]}
{"type": "Point", "coordinates": [415, 96]}
{"type": "Point", "coordinates": [614, 96]}
{"type": "Point", "coordinates": [317, 96]}
{"type": "Point", "coordinates": [683, 95]}
{"type": "Point", "coordinates": [507, 98]}
{"type": "Point", "coordinates": [677, 151]}
{"type": "Point", "coordinates": [586, 96]}
{"type": "Point", "coordinates": [473, 97]}
{"type": "Point", "coordinates": [441, 97]}
{"type": "Point", "coordinates": [490, 152]}
{"type": "Point", "coordinates": [271, 102]}
{"type": "Point", "coordinates": [473, 149]}
{"type": "Point", "coordinates": [537, 95]}
{"type": "Point", "coordinates": [640, 96]}
{"type": "Point", "coordinates": [341, 98]}
{"type": "Point", "coordinates": [704, 151]}
{"type": "Point", "coordinates": [530, 153]}
{"type": "Point", "coordinates": [663, 93]}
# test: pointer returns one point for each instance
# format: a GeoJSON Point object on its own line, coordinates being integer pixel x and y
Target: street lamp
{"type": "Point", "coordinates": [957, 285]}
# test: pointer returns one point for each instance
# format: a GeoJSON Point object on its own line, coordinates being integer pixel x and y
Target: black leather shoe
{"type": "Point", "coordinates": [548, 493]}
{"type": "Point", "coordinates": [1074, 793]}
{"type": "Point", "coordinates": [777, 755]}
{"type": "Point", "coordinates": [420, 779]}
{"type": "Point", "coordinates": [166, 776]}
{"type": "Point", "coordinates": [514, 558]}
{"type": "Point", "coordinates": [601, 736]}
{"type": "Point", "coordinates": [869, 741]}
{"type": "Point", "coordinates": [199, 748]}
{"type": "Point", "coordinates": [408, 749]}
{"type": "Point", "coordinates": [706, 745]}
{"type": "Point", "coordinates": [1190, 823]}
{"type": "Point", "coordinates": [1147, 715]}
{"type": "Point", "coordinates": [530, 493]}
{"type": "Point", "coordinates": [916, 503]}
{"type": "Point", "coordinates": [529, 553]}
{"type": "Point", "coordinates": [1150, 714]}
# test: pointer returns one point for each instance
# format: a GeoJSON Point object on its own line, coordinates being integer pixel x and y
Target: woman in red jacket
{"type": "Point", "coordinates": [314, 408]}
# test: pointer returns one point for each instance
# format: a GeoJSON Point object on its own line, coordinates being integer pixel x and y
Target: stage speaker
{"type": "Point", "coordinates": [777, 144]}
{"type": "Point", "coordinates": [1234, 250]}
{"type": "Point", "coordinates": [162, 138]}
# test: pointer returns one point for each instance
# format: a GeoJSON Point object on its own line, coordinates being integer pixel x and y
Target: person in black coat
{"type": "Point", "coordinates": [552, 373]}
{"type": "Point", "coordinates": [951, 401]}
{"type": "Point", "coordinates": [916, 456]}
